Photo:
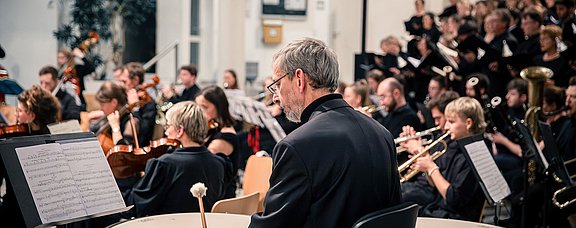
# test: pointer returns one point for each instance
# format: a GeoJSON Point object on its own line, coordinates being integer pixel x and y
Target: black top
{"type": "Point", "coordinates": [464, 197]}
{"type": "Point", "coordinates": [338, 166]}
{"type": "Point", "coordinates": [187, 95]}
{"type": "Point", "coordinates": [230, 190]}
{"type": "Point", "coordinates": [564, 132]}
{"type": "Point", "coordinates": [562, 71]}
{"type": "Point", "coordinates": [399, 118]}
{"type": "Point", "coordinates": [147, 116]}
{"type": "Point", "coordinates": [70, 111]}
{"type": "Point", "coordinates": [165, 186]}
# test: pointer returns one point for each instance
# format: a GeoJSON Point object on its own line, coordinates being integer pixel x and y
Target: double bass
{"type": "Point", "coordinates": [127, 160]}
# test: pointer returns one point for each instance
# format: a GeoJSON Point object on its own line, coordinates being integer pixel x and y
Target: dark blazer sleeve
{"type": "Point", "coordinates": [147, 194]}
{"type": "Point", "coordinates": [289, 196]}
{"type": "Point", "coordinates": [71, 111]}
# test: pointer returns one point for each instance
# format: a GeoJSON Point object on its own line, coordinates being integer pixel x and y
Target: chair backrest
{"type": "Point", "coordinates": [403, 215]}
{"type": "Point", "coordinates": [256, 177]}
{"type": "Point", "coordinates": [244, 205]}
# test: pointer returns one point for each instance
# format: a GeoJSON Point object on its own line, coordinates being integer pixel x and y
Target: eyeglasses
{"type": "Point", "coordinates": [272, 87]}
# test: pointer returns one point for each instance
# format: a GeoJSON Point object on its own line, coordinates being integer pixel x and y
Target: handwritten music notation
{"type": "Point", "coordinates": [69, 179]}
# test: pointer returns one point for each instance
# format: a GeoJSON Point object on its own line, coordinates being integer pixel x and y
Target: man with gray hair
{"type": "Point", "coordinates": [340, 164]}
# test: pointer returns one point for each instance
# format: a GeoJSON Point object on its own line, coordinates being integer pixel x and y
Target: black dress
{"type": "Point", "coordinates": [232, 178]}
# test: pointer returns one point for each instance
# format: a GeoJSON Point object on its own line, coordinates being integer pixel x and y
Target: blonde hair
{"type": "Point", "coordinates": [190, 116]}
{"type": "Point", "coordinates": [467, 107]}
{"type": "Point", "coordinates": [360, 87]}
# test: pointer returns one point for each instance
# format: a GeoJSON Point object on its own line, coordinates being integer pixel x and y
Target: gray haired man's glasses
{"type": "Point", "coordinates": [272, 87]}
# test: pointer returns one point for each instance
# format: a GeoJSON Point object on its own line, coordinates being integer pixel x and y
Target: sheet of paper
{"type": "Point", "coordinates": [69, 126]}
{"type": "Point", "coordinates": [51, 183]}
{"type": "Point", "coordinates": [488, 171]}
{"type": "Point", "coordinates": [93, 176]}
{"type": "Point", "coordinates": [69, 179]}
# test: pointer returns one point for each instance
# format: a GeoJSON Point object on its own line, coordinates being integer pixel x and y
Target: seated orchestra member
{"type": "Point", "coordinates": [571, 106]}
{"type": "Point", "coordinates": [417, 189]}
{"type": "Point", "coordinates": [562, 126]}
{"type": "Point", "coordinates": [221, 137]}
{"type": "Point", "coordinates": [112, 98]}
{"type": "Point", "coordinates": [38, 108]}
{"type": "Point", "coordinates": [48, 76]}
{"type": "Point", "coordinates": [356, 95]}
{"type": "Point", "coordinates": [165, 186]}
{"type": "Point", "coordinates": [550, 37]}
{"type": "Point", "coordinates": [508, 155]}
{"type": "Point", "coordinates": [230, 79]}
{"type": "Point", "coordinates": [304, 190]}
{"type": "Point", "coordinates": [400, 114]}
{"type": "Point", "coordinates": [188, 75]}
{"type": "Point", "coordinates": [82, 65]}
{"type": "Point", "coordinates": [132, 78]}
{"type": "Point", "coordinates": [459, 195]}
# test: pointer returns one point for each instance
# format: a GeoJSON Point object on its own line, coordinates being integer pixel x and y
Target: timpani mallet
{"type": "Point", "coordinates": [198, 190]}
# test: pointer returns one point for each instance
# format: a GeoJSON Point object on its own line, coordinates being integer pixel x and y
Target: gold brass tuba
{"type": "Point", "coordinates": [536, 76]}
{"type": "Point", "coordinates": [406, 173]}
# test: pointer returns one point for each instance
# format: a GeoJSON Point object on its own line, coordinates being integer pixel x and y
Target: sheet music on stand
{"type": "Point", "coordinates": [243, 108]}
{"type": "Point", "coordinates": [60, 179]}
{"type": "Point", "coordinates": [491, 180]}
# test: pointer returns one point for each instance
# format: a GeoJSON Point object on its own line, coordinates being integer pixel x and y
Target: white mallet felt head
{"type": "Point", "coordinates": [198, 190]}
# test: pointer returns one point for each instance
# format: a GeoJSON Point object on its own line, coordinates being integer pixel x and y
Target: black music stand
{"type": "Point", "coordinates": [531, 150]}
{"type": "Point", "coordinates": [60, 179]}
{"type": "Point", "coordinates": [486, 171]}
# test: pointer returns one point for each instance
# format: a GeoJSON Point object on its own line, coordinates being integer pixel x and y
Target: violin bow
{"type": "Point", "coordinates": [134, 131]}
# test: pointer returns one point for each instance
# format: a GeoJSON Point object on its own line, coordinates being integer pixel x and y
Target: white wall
{"type": "Point", "coordinates": [338, 23]}
{"type": "Point", "coordinates": [27, 39]}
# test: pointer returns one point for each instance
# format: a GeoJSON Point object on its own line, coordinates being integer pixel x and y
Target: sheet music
{"type": "Point", "coordinates": [69, 179]}
{"type": "Point", "coordinates": [69, 126]}
{"type": "Point", "coordinates": [488, 171]}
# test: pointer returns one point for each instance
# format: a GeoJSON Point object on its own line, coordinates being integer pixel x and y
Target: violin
{"type": "Point", "coordinates": [69, 73]}
{"type": "Point", "coordinates": [21, 129]}
{"type": "Point", "coordinates": [127, 160]}
{"type": "Point", "coordinates": [103, 134]}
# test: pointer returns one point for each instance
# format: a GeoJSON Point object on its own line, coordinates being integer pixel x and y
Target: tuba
{"type": "Point", "coordinates": [406, 173]}
{"type": "Point", "coordinates": [536, 76]}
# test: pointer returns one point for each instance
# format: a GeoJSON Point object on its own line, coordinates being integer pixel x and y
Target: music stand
{"type": "Point", "coordinates": [530, 150]}
{"type": "Point", "coordinates": [60, 179]}
{"type": "Point", "coordinates": [486, 171]}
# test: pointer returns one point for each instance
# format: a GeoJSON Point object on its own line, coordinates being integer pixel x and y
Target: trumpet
{"type": "Point", "coordinates": [410, 172]}
{"type": "Point", "coordinates": [372, 108]}
{"type": "Point", "coordinates": [417, 135]}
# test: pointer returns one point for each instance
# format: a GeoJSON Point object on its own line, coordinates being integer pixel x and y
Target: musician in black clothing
{"type": "Point", "coordinates": [417, 189]}
{"type": "Point", "coordinates": [459, 195]}
{"type": "Point", "coordinates": [400, 114]}
{"type": "Point", "coordinates": [562, 126]}
{"type": "Point", "coordinates": [551, 57]}
{"type": "Point", "coordinates": [48, 76]}
{"type": "Point", "coordinates": [38, 108]}
{"type": "Point", "coordinates": [132, 78]}
{"type": "Point", "coordinates": [187, 76]}
{"type": "Point", "coordinates": [82, 65]}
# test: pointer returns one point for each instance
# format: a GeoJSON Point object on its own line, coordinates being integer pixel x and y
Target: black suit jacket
{"type": "Point", "coordinates": [335, 168]}
{"type": "Point", "coordinates": [71, 111]}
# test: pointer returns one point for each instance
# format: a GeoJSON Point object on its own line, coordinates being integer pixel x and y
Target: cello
{"type": "Point", "coordinates": [127, 160]}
